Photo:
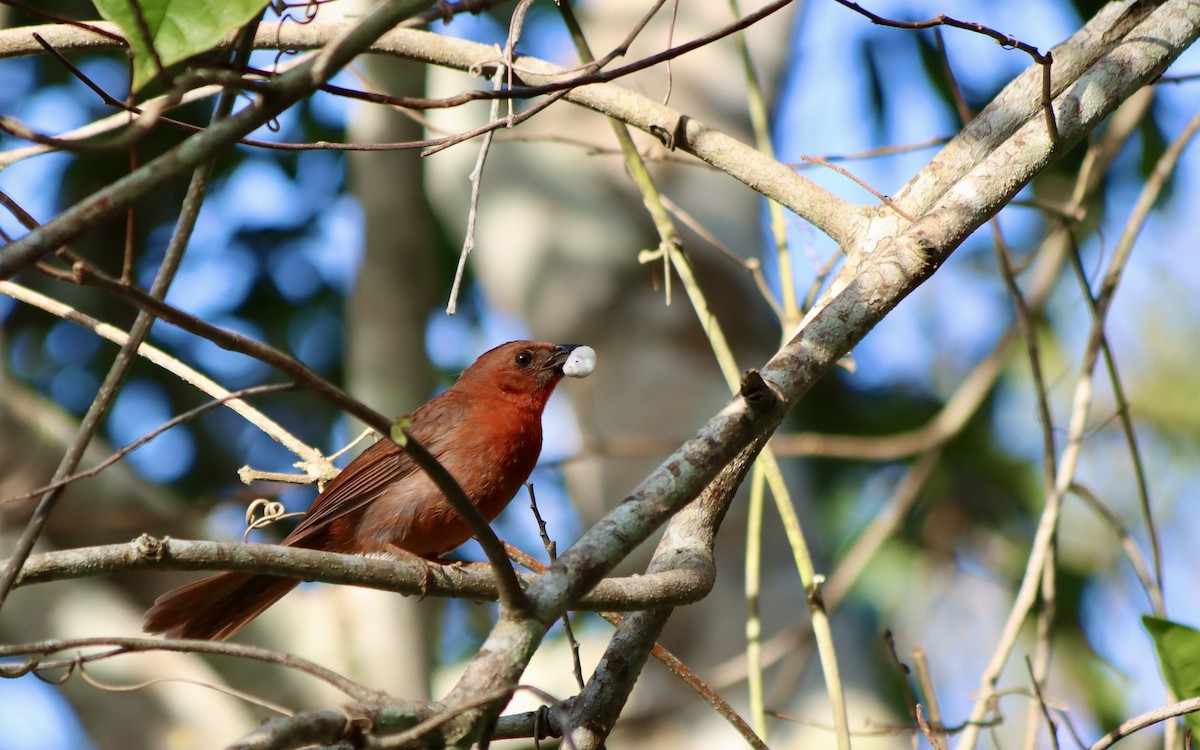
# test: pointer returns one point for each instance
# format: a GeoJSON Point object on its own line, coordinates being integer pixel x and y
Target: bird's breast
{"type": "Point", "coordinates": [490, 458]}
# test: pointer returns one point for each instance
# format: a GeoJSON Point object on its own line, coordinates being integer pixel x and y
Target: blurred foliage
{"type": "Point", "coordinates": [282, 273]}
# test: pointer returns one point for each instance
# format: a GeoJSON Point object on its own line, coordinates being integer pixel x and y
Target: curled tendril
{"type": "Point", "coordinates": [271, 510]}
{"type": "Point", "coordinates": [13, 671]}
{"type": "Point", "coordinates": [283, 51]}
{"type": "Point", "coordinates": [284, 9]}
{"type": "Point", "coordinates": [69, 670]}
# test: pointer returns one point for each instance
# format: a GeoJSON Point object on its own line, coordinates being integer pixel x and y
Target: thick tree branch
{"type": "Point", "coordinates": [692, 532]}
{"type": "Point", "coordinates": [685, 584]}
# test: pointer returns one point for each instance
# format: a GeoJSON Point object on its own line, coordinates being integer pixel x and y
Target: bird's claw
{"type": "Point", "coordinates": [426, 568]}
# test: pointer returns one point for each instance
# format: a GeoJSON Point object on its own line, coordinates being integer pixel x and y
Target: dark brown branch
{"type": "Point", "coordinates": [1007, 41]}
{"type": "Point", "coordinates": [304, 377]}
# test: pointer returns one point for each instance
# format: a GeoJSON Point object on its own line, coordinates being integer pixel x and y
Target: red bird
{"type": "Point", "coordinates": [486, 431]}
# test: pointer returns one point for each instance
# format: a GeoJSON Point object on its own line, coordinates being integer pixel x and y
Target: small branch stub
{"type": "Point", "coordinates": [150, 547]}
{"type": "Point", "coordinates": [759, 394]}
{"type": "Point", "coordinates": [815, 598]}
{"type": "Point", "coordinates": [673, 137]}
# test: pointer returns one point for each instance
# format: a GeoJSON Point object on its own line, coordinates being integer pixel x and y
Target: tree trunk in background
{"type": "Point", "coordinates": [386, 363]}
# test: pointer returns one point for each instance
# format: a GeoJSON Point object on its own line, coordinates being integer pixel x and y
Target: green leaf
{"type": "Point", "coordinates": [178, 29]}
{"type": "Point", "coordinates": [1178, 648]}
{"type": "Point", "coordinates": [398, 428]}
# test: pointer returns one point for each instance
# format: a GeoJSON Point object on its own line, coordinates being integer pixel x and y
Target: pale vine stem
{"type": "Point", "coordinates": [313, 460]}
{"type": "Point", "coordinates": [1040, 665]}
{"type": "Point", "coordinates": [761, 125]}
{"type": "Point", "coordinates": [1097, 344]}
{"type": "Point", "coordinates": [671, 251]}
{"type": "Point", "coordinates": [953, 415]}
{"type": "Point", "coordinates": [790, 318]}
{"type": "Point", "coordinates": [822, 632]}
{"type": "Point", "coordinates": [1098, 306]}
{"type": "Point", "coordinates": [1081, 404]}
{"type": "Point", "coordinates": [751, 265]}
{"type": "Point", "coordinates": [1135, 455]}
{"type": "Point", "coordinates": [670, 247]}
{"type": "Point", "coordinates": [1133, 553]}
{"type": "Point", "coordinates": [754, 664]}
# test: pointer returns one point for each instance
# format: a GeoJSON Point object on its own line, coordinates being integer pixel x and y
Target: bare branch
{"type": "Point", "coordinates": [473, 581]}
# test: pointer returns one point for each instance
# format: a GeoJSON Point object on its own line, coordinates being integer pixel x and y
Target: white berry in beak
{"type": "Point", "coordinates": [580, 362]}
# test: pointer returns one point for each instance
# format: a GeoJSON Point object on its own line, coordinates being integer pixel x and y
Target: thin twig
{"type": "Point", "coordinates": [934, 740]}
{"type": "Point", "coordinates": [552, 552]}
{"type": "Point", "coordinates": [302, 374]}
{"type": "Point", "coordinates": [1133, 552]}
{"type": "Point", "coordinates": [1148, 719]}
{"type": "Point", "coordinates": [1046, 61]}
{"type": "Point", "coordinates": [314, 462]}
{"type": "Point", "coordinates": [476, 180]}
{"type": "Point", "coordinates": [910, 700]}
{"type": "Point", "coordinates": [124, 645]}
{"type": "Point", "coordinates": [1041, 703]}
{"type": "Point", "coordinates": [186, 416]}
{"type": "Point", "coordinates": [861, 183]}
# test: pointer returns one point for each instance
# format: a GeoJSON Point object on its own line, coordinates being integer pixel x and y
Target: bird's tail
{"type": "Point", "coordinates": [215, 608]}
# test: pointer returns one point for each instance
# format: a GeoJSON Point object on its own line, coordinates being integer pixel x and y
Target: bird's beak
{"type": "Point", "coordinates": [561, 352]}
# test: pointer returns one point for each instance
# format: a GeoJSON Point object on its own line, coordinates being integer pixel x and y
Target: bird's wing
{"type": "Point", "coordinates": [378, 467]}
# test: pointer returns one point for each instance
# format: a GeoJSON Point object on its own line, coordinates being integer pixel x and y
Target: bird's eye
{"type": "Point", "coordinates": [524, 358]}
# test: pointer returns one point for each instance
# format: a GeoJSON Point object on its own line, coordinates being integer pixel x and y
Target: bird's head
{"type": "Point", "coordinates": [524, 372]}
